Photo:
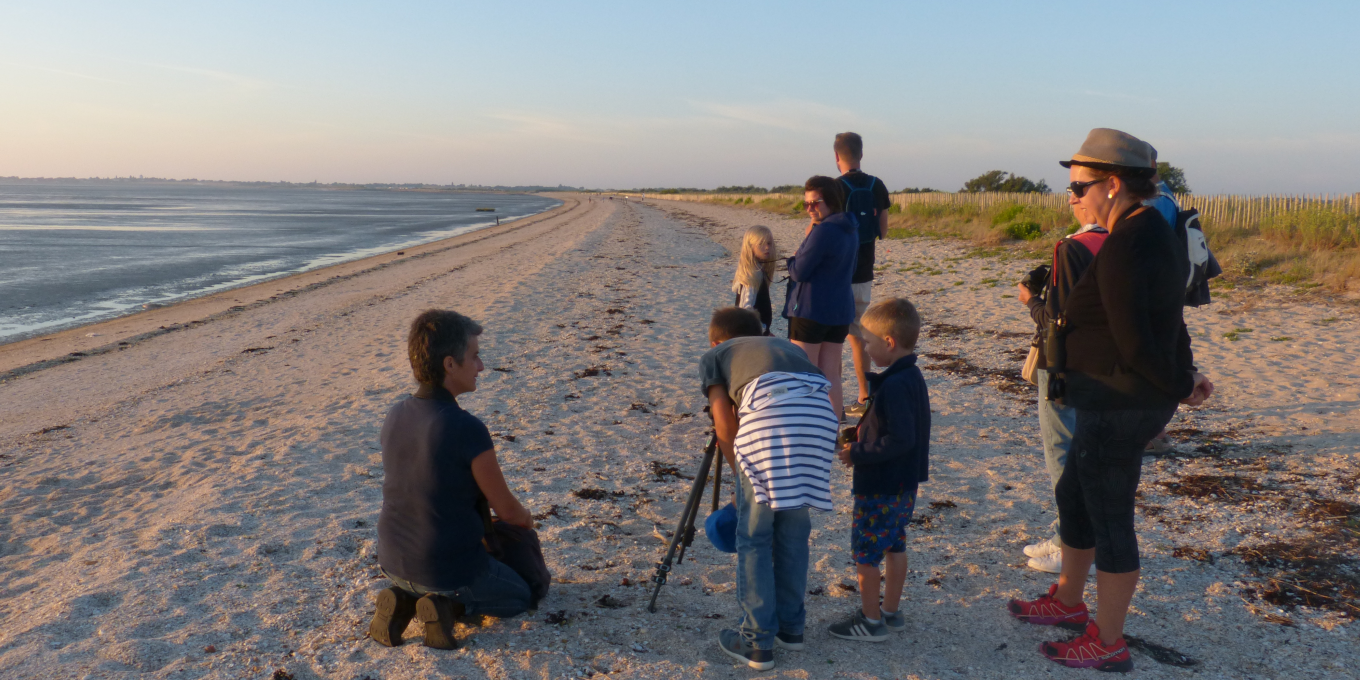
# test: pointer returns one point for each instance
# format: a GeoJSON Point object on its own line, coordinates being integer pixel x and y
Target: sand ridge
{"type": "Point", "coordinates": [220, 487]}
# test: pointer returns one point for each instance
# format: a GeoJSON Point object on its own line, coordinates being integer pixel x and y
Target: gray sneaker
{"type": "Point", "coordinates": [788, 641]}
{"type": "Point", "coordinates": [858, 628]}
{"type": "Point", "coordinates": [735, 645]}
{"type": "Point", "coordinates": [895, 621]}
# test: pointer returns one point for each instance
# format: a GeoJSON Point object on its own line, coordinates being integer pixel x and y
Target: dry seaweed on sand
{"type": "Point", "coordinates": [662, 471]}
{"type": "Point", "coordinates": [1305, 574]}
{"type": "Point", "coordinates": [597, 494]}
{"type": "Point", "coordinates": [1007, 380]}
{"type": "Point", "coordinates": [1222, 487]}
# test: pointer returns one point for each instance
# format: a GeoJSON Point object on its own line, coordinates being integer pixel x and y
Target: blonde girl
{"type": "Point", "coordinates": [755, 271]}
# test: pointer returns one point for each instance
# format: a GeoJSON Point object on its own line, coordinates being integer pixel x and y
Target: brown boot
{"type": "Point", "coordinates": [396, 608]}
{"type": "Point", "coordinates": [438, 614]}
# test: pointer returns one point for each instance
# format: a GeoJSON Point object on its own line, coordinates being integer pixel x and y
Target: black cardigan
{"type": "Point", "coordinates": [1127, 345]}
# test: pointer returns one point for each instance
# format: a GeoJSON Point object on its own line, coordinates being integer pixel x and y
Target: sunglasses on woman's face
{"type": "Point", "coordinates": [813, 204]}
{"type": "Point", "coordinates": [1078, 189]}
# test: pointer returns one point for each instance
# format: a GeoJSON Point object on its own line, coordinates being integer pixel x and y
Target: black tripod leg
{"type": "Point", "coordinates": [686, 526]}
{"type": "Point", "coordinates": [717, 484]}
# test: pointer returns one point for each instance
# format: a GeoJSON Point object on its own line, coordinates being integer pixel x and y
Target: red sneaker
{"type": "Point", "coordinates": [1048, 611]}
{"type": "Point", "coordinates": [1087, 651]}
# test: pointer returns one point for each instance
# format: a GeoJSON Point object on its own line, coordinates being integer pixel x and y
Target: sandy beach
{"type": "Point", "coordinates": [193, 492]}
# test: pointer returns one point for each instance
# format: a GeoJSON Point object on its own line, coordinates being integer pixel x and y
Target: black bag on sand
{"type": "Point", "coordinates": [518, 548]}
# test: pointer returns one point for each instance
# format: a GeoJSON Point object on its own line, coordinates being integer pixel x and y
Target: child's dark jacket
{"type": "Point", "coordinates": [892, 454]}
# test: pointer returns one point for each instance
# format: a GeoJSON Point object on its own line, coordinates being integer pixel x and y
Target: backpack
{"type": "Point", "coordinates": [1203, 264]}
{"type": "Point", "coordinates": [859, 202]}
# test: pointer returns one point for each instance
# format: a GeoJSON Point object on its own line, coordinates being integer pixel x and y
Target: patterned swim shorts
{"type": "Point", "coordinates": [880, 526]}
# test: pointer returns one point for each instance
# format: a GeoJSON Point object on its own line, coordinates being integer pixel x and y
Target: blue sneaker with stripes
{"type": "Point", "coordinates": [859, 628]}
{"type": "Point", "coordinates": [895, 621]}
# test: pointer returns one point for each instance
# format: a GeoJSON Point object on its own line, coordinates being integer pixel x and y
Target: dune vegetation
{"type": "Point", "coordinates": [1313, 247]}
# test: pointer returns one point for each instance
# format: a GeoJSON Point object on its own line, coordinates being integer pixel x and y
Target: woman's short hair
{"type": "Point", "coordinates": [733, 322]}
{"type": "Point", "coordinates": [435, 334]}
{"type": "Point", "coordinates": [1141, 183]}
{"type": "Point", "coordinates": [830, 190]}
{"type": "Point", "coordinates": [895, 318]}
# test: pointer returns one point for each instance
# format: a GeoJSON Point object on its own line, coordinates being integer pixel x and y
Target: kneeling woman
{"type": "Point", "coordinates": [436, 458]}
{"type": "Point", "coordinates": [1127, 364]}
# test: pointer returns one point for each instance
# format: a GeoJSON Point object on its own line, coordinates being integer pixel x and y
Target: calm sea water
{"type": "Point", "coordinates": [75, 253]}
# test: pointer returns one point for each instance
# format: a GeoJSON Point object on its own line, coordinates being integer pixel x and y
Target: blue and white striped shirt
{"type": "Point", "coordinates": [786, 440]}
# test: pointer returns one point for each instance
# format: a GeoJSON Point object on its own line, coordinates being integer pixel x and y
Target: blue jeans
{"type": "Point", "coordinates": [772, 564]}
{"type": "Point", "coordinates": [1056, 425]}
{"type": "Point", "coordinates": [498, 592]}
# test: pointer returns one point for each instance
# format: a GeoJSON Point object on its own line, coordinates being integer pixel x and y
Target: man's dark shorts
{"type": "Point", "coordinates": [811, 332]}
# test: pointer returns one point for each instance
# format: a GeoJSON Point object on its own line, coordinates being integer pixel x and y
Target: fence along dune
{"type": "Point", "coordinates": [1308, 240]}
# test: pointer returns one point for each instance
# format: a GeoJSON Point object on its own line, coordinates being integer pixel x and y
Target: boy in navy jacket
{"type": "Point", "coordinates": [889, 459]}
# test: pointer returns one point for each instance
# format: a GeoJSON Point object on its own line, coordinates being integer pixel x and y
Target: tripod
{"type": "Point", "coordinates": [684, 533]}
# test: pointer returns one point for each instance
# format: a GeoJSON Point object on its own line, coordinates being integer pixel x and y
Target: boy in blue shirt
{"type": "Point", "coordinates": [890, 458]}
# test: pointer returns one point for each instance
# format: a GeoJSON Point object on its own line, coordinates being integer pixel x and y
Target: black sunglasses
{"type": "Point", "coordinates": [1078, 189]}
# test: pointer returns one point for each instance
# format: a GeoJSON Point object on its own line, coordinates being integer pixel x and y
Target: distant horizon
{"type": "Point", "coordinates": [536, 187]}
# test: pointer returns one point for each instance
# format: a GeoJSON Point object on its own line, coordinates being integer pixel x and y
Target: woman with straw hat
{"type": "Point", "coordinates": [1123, 361]}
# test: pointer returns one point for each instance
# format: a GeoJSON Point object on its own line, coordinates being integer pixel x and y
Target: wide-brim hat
{"type": "Point", "coordinates": [1114, 150]}
{"type": "Point", "coordinates": [721, 528]}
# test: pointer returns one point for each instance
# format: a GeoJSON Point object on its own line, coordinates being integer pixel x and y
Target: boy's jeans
{"type": "Point", "coordinates": [498, 592]}
{"type": "Point", "coordinates": [772, 564]}
{"type": "Point", "coordinates": [1056, 425]}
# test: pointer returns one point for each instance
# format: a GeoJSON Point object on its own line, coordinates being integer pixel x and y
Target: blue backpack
{"type": "Point", "coordinates": [859, 202]}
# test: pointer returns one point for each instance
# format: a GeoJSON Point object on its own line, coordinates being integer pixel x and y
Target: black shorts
{"type": "Point", "coordinates": [1096, 491]}
{"type": "Point", "coordinates": [811, 332]}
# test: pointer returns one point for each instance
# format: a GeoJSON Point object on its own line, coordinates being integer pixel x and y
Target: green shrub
{"type": "Point", "coordinates": [1023, 231]}
{"type": "Point", "coordinates": [934, 211]}
{"type": "Point", "coordinates": [894, 209]}
{"type": "Point", "coordinates": [1315, 229]}
{"type": "Point", "coordinates": [1007, 214]}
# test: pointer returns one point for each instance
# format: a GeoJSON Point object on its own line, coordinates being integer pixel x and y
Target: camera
{"type": "Point", "coordinates": [1037, 278]}
{"type": "Point", "coordinates": [849, 435]}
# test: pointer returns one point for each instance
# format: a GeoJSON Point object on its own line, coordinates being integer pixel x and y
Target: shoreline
{"type": "Point", "coordinates": [67, 345]}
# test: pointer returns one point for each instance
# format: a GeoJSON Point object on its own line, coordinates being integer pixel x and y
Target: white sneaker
{"type": "Point", "coordinates": [1052, 563]}
{"type": "Point", "coordinates": [1041, 548]}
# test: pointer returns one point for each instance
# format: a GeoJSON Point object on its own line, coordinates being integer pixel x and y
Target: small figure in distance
{"type": "Point", "coordinates": [891, 458]}
{"type": "Point", "coordinates": [436, 458]}
{"type": "Point", "coordinates": [755, 271]}
{"type": "Point", "coordinates": [775, 426]}
{"type": "Point", "coordinates": [867, 199]}
{"type": "Point", "coordinates": [820, 305]}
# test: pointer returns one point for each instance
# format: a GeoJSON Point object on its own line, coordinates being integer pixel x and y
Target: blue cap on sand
{"type": "Point", "coordinates": [721, 528]}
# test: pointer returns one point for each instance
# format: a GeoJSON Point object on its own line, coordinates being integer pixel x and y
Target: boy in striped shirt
{"type": "Point", "coordinates": [890, 458]}
{"type": "Point", "coordinates": [773, 418]}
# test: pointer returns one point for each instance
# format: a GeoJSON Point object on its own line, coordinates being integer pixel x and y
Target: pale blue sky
{"type": "Point", "coordinates": [1247, 97]}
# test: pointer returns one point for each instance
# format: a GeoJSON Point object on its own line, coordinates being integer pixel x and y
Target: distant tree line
{"type": "Point", "coordinates": [1000, 180]}
{"type": "Point", "coordinates": [990, 181]}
